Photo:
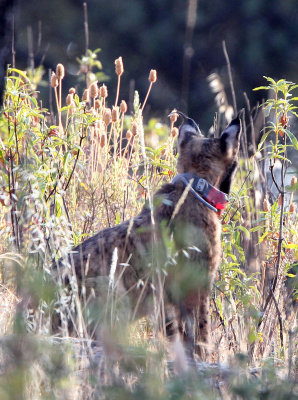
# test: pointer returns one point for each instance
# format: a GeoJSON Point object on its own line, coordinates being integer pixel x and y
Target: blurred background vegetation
{"type": "Point", "coordinates": [181, 39]}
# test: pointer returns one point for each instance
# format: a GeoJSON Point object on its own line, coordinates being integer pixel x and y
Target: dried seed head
{"type": "Point", "coordinates": [134, 129]}
{"type": "Point", "coordinates": [72, 107]}
{"type": "Point", "coordinates": [97, 104]}
{"type": "Point", "coordinates": [103, 91]}
{"type": "Point", "coordinates": [72, 90]}
{"type": "Point", "coordinates": [174, 132]}
{"type": "Point", "coordinates": [284, 120]}
{"type": "Point", "coordinates": [292, 208]}
{"type": "Point", "coordinates": [173, 117]}
{"type": "Point", "coordinates": [107, 116]}
{"type": "Point", "coordinates": [129, 134]}
{"type": "Point", "coordinates": [93, 88]}
{"type": "Point", "coordinates": [123, 106]}
{"type": "Point", "coordinates": [293, 181]}
{"type": "Point", "coordinates": [153, 76]}
{"type": "Point", "coordinates": [280, 200]}
{"type": "Point", "coordinates": [103, 140]}
{"type": "Point", "coordinates": [54, 80]}
{"type": "Point", "coordinates": [119, 66]}
{"type": "Point", "coordinates": [266, 205]}
{"type": "Point", "coordinates": [69, 99]}
{"type": "Point", "coordinates": [115, 114]}
{"type": "Point", "coordinates": [60, 72]}
{"type": "Point", "coordinates": [86, 96]}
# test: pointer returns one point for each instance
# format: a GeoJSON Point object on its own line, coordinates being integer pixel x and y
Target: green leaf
{"type": "Point", "coordinates": [117, 218]}
{"type": "Point", "coordinates": [262, 88]}
{"type": "Point", "coordinates": [270, 80]}
{"type": "Point", "coordinates": [18, 71]}
{"type": "Point", "coordinates": [291, 246]}
{"type": "Point", "coordinates": [292, 138]}
{"type": "Point", "coordinates": [84, 186]}
{"type": "Point", "coordinates": [65, 108]}
{"type": "Point", "coordinates": [233, 257]}
{"type": "Point", "coordinates": [268, 110]}
{"type": "Point", "coordinates": [219, 306]}
{"type": "Point", "coordinates": [263, 237]}
{"type": "Point", "coordinates": [59, 205]}
{"type": "Point", "coordinates": [274, 207]}
{"type": "Point", "coordinates": [264, 137]}
{"type": "Point", "coordinates": [243, 229]}
{"type": "Point", "coordinates": [2, 157]}
{"type": "Point", "coordinates": [257, 228]}
{"type": "Point", "coordinates": [65, 160]}
{"type": "Point", "coordinates": [238, 272]}
{"type": "Point", "coordinates": [159, 150]}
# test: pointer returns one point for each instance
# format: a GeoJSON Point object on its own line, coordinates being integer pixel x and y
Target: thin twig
{"type": "Point", "coordinates": [219, 316]}
{"type": "Point", "coordinates": [30, 48]}
{"type": "Point", "coordinates": [273, 179]}
{"type": "Point", "coordinates": [106, 205]}
{"type": "Point", "coordinates": [16, 133]}
{"type": "Point", "coordinates": [75, 163]}
{"type": "Point", "coordinates": [279, 317]}
{"type": "Point", "coordinates": [86, 28]}
{"type": "Point", "coordinates": [147, 95]}
{"type": "Point", "coordinates": [290, 356]}
{"type": "Point", "coordinates": [281, 220]}
{"type": "Point", "coordinates": [13, 51]}
{"type": "Point", "coordinates": [230, 75]}
{"type": "Point", "coordinates": [253, 134]}
{"type": "Point", "coordinates": [86, 32]}
{"type": "Point", "coordinates": [188, 49]}
{"type": "Point", "coordinates": [51, 96]}
{"type": "Point", "coordinates": [280, 238]}
{"type": "Point", "coordinates": [118, 90]}
{"type": "Point", "coordinates": [55, 187]}
{"type": "Point", "coordinates": [67, 213]}
{"type": "Point", "coordinates": [39, 39]}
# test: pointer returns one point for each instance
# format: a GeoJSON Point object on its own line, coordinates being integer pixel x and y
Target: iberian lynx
{"type": "Point", "coordinates": [188, 211]}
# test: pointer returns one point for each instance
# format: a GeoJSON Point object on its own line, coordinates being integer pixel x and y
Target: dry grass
{"type": "Point", "coordinates": [94, 169]}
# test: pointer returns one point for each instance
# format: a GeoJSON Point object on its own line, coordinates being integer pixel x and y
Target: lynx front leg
{"type": "Point", "coordinates": [187, 331]}
{"type": "Point", "coordinates": [202, 334]}
{"type": "Point", "coordinates": [180, 333]}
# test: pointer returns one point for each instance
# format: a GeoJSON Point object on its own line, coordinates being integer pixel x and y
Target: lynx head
{"type": "Point", "coordinates": [214, 159]}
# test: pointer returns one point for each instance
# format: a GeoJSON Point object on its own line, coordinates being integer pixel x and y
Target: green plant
{"type": "Point", "coordinates": [61, 182]}
{"type": "Point", "coordinates": [91, 67]}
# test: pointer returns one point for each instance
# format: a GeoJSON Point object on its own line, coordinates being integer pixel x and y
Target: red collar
{"type": "Point", "coordinates": [204, 191]}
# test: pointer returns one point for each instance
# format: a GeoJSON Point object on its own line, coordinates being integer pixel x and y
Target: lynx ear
{"type": "Point", "coordinates": [187, 130]}
{"type": "Point", "coordinates": [230, 137]}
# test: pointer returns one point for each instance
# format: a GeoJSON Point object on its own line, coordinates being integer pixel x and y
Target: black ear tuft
{"type": "Point", "coordinates": [230, 136]}
{"type": "Point", "coordinates": [225, 185]}
{"type": "Point", "coordinates": [187, 130]}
